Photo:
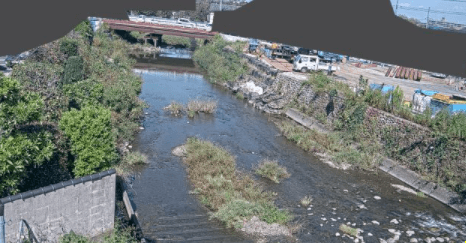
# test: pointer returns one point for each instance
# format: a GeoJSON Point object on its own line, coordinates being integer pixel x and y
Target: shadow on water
{"type": "Point", "coordinates": [161, 189]}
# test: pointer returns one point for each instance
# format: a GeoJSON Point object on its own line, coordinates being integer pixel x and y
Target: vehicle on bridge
{"type": "Point", "coordinates": [305, 63]}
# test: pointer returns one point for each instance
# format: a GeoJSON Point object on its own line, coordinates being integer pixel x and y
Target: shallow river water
{"type": "Point", "coordinates": [363, 200]}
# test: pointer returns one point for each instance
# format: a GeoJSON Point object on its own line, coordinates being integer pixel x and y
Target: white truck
{"type": "Point", "coordinates": [305, 63]}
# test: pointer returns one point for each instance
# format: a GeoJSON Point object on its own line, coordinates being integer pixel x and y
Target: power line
{"type": "Point", "coordinates": [459, 1]}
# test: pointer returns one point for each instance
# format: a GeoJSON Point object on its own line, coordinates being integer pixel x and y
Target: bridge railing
{"type": "Point", "coordinates": [164, 21]}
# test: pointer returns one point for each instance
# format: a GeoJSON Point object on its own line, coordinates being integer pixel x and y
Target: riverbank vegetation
{"type": "Point", "coordinates": [232, 196]}
{"type": "Point", "coordinates": [221, 66]}
{"type": "Point", "coordinates": [70, 104]}
{"type": "Point", "coordinates": [356, 136]}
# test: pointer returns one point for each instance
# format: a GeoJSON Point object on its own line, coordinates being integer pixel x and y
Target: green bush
{"type": "Point", "coordinates": [92, 140]}
{"type": "Point", "coordinates": [83, 93]}
{"type": "Point", "coordinates": [74, 70]}
{"type": "Point", "coordinates": [69, 46]}
{"type": "Point", "coordinates": [16, 107]}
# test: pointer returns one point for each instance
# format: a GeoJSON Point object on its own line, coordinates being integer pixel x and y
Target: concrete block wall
{"type": "Point", "coordinates": [85, 207]}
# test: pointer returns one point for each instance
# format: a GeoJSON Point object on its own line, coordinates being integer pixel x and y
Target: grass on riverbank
{"type": "Point", "coordinates": [335, 144]}
{"type": "Point", "coordinates": [272, 170]}
{"type": "Point", "coordinates": [233, 196]}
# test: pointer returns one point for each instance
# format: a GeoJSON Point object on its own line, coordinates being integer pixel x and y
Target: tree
{"type": "Point", "coordinates": [20, 145]}
{"type": "Point", "coordinates": [92, 140]}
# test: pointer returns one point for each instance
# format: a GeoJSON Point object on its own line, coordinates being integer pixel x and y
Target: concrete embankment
{"type": "Point", "coordinates": [272, 92]}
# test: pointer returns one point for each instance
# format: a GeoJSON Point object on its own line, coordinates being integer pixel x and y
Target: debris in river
{"type": "Point", "coordinates": [377, 198]}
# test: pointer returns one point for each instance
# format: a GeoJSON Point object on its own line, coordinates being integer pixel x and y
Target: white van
{"type": "Point", "coordinates": [186, 23]}
{"type": "Point", "coordinates": [305, 63]}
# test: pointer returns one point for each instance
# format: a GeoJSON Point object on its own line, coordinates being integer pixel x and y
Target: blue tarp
{"type": "Point", "coordinates": [383, 88]}
{"type": "Point", "coordinates": [387, 88]}
{"type": "Point", "coordinates": [454, 108]}
{"type": "Point", "coordinates": [426, 92]}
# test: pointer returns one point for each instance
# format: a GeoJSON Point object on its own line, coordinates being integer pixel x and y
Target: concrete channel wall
{"type": "Point", "coordinates": [84, 205]}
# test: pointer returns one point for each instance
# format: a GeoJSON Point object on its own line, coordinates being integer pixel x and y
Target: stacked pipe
{"type": "Point", "coordinates": [404, 73]}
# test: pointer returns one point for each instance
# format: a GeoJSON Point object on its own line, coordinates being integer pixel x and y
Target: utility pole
{"type": "Point", "coordinates": [221, 1]}
{"type": "Point", "coordinates": [428, 11]}
{"type": "Point", "coordinates": [396, 10]}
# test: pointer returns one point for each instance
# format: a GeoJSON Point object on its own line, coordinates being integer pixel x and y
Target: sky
{"type": "Point", "coordinates": [439, 5]}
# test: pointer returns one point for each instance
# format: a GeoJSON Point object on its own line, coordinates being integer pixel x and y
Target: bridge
{"type": "Point", "coordinates": [158, 29]}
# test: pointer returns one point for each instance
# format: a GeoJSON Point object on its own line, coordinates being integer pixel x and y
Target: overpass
{"type": "Point", "coordinates": [158, 29]}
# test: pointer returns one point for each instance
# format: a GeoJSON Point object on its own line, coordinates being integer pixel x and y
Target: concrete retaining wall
{"type": "Point", "coordinates": [85, 205]}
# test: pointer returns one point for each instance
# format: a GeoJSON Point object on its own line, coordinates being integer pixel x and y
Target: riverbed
{"type": "Point", "coordinates": [364, 200]}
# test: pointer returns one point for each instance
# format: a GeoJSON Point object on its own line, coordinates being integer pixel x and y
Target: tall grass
{"type": "Point", "coordinates": [233, 196]}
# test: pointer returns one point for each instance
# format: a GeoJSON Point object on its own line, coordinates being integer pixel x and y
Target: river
{"type": "Point", "coordinates": [160, 190]}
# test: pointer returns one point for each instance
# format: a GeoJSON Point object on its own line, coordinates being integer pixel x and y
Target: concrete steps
{"type": "Point", "coordinates": [189, 228]}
